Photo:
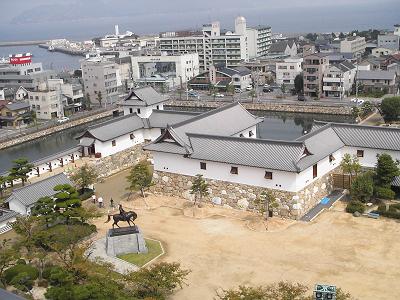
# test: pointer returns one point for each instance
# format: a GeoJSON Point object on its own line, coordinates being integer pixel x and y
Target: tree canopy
{"type": "Point", "coordinates": [298, 83]}
{"type": "Point", "coordinates": [20, 169]}
{"type": "Point", "coordinates": [140, 177]}
{"type": "Point", "coordinates": [390, 108]}
{"type": "Point", "coordinates": [199, 188]}
{"type": "Point", "coordinates": [362, 188]}
{"type": "Point", "coordinates": [84, 177]}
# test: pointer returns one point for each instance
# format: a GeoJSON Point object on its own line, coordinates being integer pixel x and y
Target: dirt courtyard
{"type": "Point", "coordinates": [225, 248]}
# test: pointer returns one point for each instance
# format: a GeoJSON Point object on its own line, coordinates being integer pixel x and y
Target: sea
{"type": "Point", "coordinates": [50, 60]}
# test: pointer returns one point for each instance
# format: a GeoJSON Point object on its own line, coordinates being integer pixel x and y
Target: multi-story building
{"type": "Point", "coordinates": [314, 67]}
{"type": "Point", "coordinates": [215, 47]}
{"type": "Point", "coordinates": [288, 69]}
{"type": "Point", "coordinates": [15, 115]}
{"type": "Point", "coordinates": [101, 80]}
{"type": "Point", "coordinates": [389, 41]}
{"type": "Point", "coordinates": [338, 79]}
{"type": "Point", "coordinates": [46, 103]}
{"type": "Point", "coordinates": [371, 81]}
{"type": "Point", "coordinates": [170, 70]}
{"type": "Point", "coordinates": [354, 44]}
{"type": "Point", "coordinates": [20, 71]}
{"type": "Point", "coordinates": [71, 95]}
{"type": "Point", "coordinates": [378, 52]}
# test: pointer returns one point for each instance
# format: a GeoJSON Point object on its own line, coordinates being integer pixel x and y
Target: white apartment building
{"type": "Point", "coordinates": [354, 44]}
{"type": "Point", "coordinates": [389, 41]}
{"type": "Point", "coordinates": [378, 52]}
{"type": "Point", "coordinates": [288, 69]}
{"type": "Point", "coordinates": [46, 103]}
{"type": "Point", "coordinates": [101, 76]}
{"type": "Point", "coordinates": [173, 69]}
{"type": "Point", "coordinates": [338, 80]}
{"type": "Point", "coordinates": [215, 47]}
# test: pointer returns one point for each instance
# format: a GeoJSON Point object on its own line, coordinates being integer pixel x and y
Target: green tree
{"type": "Point", "coordinates": [84, 176]}
{"type": "Point", "coordinates": [44, 209]}
{"type": "Point", "coordinates": [350, 165]}
{"type": "Point", "coordinates": [8, 258]}
{"type": "Point", "coordinates": [87, 101]}
{"type": "Point", "coordinates": [157, 281]}
{"type": "Point", "coordinates": [355, 112]}
{"type": "Point", "coordinates": [362, 188]}
{"type": "Point", "coordinates": [299, 83]}
{"type": "Point", "coordinates": [386, 170]}
{"type": "Point", "coordinates": [33, 117]}
{"type": "Point", "coordinates": [283, 88]}
{"type": "Point", "coordinates": [20, 169]}
{"type": "Point", "coordinates": [140, 177]}
{"type": "Point", "coordinates": [265, 203]}
{"type": "Point", "coordinates": [390, 108]}
{"type": "Point", "coordinates": [99, 98]}
{"type": "Point", "coordinates": [3, 182]}
{"type": "Point", "coordinates": [199, 188]}
{"type": "Point", "coordinates": [66, 201]}
{"type": "Point", "coordinates": [213, 90]}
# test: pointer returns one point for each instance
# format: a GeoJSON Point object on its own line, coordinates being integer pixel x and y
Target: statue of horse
{"type": "Point", "coordinates": [129, 217]}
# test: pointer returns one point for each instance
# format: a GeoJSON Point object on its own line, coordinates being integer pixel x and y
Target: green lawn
{"type": "Point", "coordinates": [140, 260]}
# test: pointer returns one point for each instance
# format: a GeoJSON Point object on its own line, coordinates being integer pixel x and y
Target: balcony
{"type": "Point", "coordinates": [333, 79]}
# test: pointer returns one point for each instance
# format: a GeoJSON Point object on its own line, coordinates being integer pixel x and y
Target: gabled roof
{"type": "Point", "coordinates": [7, 214]}
{"type": "Point", "coordinates": [30, 194]}
{"type": "Point", "coordinates": [369, 75]}
{"type": "Point", "coordinates": [17, 106]}
{"type": "Point", "coordinates": [145, 96]}
{"type": "Point", "coordinates": [163, 118]}
{"type": "Point", "coordinates": [114, 128]}
{"type": "Point", "coordinates": [278, 47]}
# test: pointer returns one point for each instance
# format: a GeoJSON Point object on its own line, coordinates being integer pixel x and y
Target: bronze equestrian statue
{"type": "Point", "coordinates": [129, 217]}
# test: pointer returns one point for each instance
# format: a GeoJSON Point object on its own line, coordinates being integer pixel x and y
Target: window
{"type": "Point", "coordinates": [251, 133]}
{"type": "Point", "coordinates": [138, 110]}
{"type": "Point", "coordinates": [234, 170]}
{"type": "Point", "coordinates": [331, 158]}
{"type": "Point", "coordinates": [360, 153]}
{"type": "Point", "coordinates": [158, 107]}
{"type": "Point", "coordinates": [203, 166]}
{"type": "Point", "coordinates": [131, 110]}
{"type": "Point", "coordinates": [268, 175]}
{"type": "Point", "coordinates": [315, 170]}
{"type": "Point", "coordinates": [132, 136]}
{"type": "Point", "coordinates": [114, 143]}
{"type": "Point", "coordinates": [241, 135]}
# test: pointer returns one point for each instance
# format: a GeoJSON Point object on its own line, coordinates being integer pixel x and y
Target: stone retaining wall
{"type": "Point", "coordinates": [269, 106]}
{"type": "Point", "coordinates": [41, 133]}
{"type": "Point", "coordinates": [240, 196]}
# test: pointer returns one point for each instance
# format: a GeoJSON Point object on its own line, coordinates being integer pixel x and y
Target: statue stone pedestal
{"type": "Point", "coordinates": [125, 240]}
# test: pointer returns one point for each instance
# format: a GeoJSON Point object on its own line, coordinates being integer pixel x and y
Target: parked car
{"type": "Point", "coordinates": [193, 94]}
{"type": "Point", "coordinates": [237, 90]}
{"type": "Point", "coordinates": [249, 88]}
{"type": "Point", "coordinates": [267, 90]}
{"type": "Point", "coordinates": [219, 95]}
{"type": "Point", "coordinates": [62, 120]}
{"type": "Point", "coordinates": [301, 97]}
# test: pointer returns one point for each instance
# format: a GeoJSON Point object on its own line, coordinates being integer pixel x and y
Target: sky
{"type": "Point", "coordinates": [84, 19]}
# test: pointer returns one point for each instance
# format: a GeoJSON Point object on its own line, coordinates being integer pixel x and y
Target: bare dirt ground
{"type": "Point", "coordinates": [225, 248]}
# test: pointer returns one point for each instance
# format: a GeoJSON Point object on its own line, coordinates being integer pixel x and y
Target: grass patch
{"type": "Point", "coordinates": [140, 260]}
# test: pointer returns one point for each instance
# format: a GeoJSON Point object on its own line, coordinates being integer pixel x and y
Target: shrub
{"type": "Point", "coordinates": [86, 194]}
{"type": "Point", "coordinates": [393, 211]}
{"type": "Point", "coordinates": [391, 108]}
{"type": "Point", "coordinates": [384, 192]}
{"type": "Point", "coordinates": [362, 187]}
{"type": "Point", "coordinates": [31, 271]}
{"type": "Point", "coordinates": [21, 262]}
{"type": "Point", "coordinates": [354, 206]}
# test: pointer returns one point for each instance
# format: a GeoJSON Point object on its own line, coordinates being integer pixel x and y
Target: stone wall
{"type": "Point", "coordinates": [240, 196]}
{"type": "Point", "coordinates": [317, 108]}
{"type": "Point", "coordinates": [32, 136]}
{"type": "Point", "coordinates": [117, 162]}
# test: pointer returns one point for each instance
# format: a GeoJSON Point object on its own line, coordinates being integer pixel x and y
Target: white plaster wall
{"type": "Point", "coordinates": [369, 160]}
{"type": "Point", "coordinates": [17, 206]}
{"type": "Point", "coordinates": [174, 163]}
{"type": "Point", "coordinates": [247, 131]}
{"type": "Point", "coordinates": [122, 143]}
{"type": "Point", "coordinates": [145, 112]}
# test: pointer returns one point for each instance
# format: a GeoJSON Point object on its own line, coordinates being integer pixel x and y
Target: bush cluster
{"type": "Point", "coordinates": [12, 272]}
{"type": "Point", "coordinates": [354, 206]}
{"type": "Point", "coordinates": [393, 211]}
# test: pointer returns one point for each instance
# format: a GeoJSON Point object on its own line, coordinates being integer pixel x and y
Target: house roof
{"type": "Point", "coordinates": [145, 96]}
{"type": "Point", "coordinates": [17, 106]}
{"type": "Point", "coordinates": [6, 295]}
{"type": "Point", "coordinates": [30, 194]}
{"type": "Point", "coordinates": [7, 214]}
{"type": "Point", "coordinates": [368, 75]}
{"type": "Point", "coordinates": [163, 118]}
{"type": "Point", "coordinates": [114, 128]}
{"type": "Point", "coordinates": [278, 47]}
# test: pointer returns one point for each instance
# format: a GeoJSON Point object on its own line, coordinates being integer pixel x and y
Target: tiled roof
{"type": "Point", "coordinates": [17, 105]}
{"type": "Point", "coordinates": [383, 75]}
{"type": "Point", "coordinates": [6, 214]}
{"type": "Point", "coordinates": [145, 96]}
{"type": "Point", "coordinates": [30, 194]}
{"type": "Point", "coordinates": [163, 118]}
{"type": "Point", "coordinates": [278, 47]}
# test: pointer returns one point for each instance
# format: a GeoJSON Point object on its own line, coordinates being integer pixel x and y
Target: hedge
{"type": "Point", "coordinates": [31, 271]}
{"type": "Point", "coordinates": [354, 206]}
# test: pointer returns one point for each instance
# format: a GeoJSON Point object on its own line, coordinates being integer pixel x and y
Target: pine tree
{"type": "Point", "coordinates": [140, 177]}
{"type": "Point", "coordinates": [199, 188]}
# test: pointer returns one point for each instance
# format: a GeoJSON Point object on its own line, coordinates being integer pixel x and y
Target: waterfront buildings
{"type": "Point", "coordinates": [354, 44]}
{"type": "Point", "coordinates": [314, 67]}
{"type": "Point", "coordinates": [168, 70]}
{"type": "Point", "coordinates": [338, 79]}
{"type": "Point", "coordinates": [46, 103]}
{"type": "Point", "coordinates": [288, 69]}
{"type": "Point", "coordinates": [15, 115]}
{"type": "Point", "coordinates": [217, 47]}
{"type": "Point", "coordinates": [371, 81]}
{"type": "Point", "coordinates": [101, 80]}
{"type": "Point", "coordinates": [389, 41]}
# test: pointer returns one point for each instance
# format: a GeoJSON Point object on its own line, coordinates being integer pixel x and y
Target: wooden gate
{"type": "Point", "coordinates": [341, 181]}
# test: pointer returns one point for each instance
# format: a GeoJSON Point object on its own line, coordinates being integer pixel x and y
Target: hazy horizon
{"type": "Point", "coordinates": [45, 19]}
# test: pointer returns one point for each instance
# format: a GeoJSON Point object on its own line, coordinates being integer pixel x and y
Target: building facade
{"type": "Point", "coordinates": [46, 103]}
{"type": "Point", "coordinates": [354, 44]}
{"type": "Point", "coordinates": [371, 81]}
{"type": "Point", "coordinates": [287, 70]}
{"type": "Point", "coordinates": [101, 80]}
{"type": "Point", "coordinates": [389, 41]}
{"type": "Point", "coordinates": [15, 115]}
{"type": "Point", "coordinates": [338, 80]}
{"type": "Point", "coordinates": [314, 67]}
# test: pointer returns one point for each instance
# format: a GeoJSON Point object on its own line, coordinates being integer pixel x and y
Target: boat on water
{"type": "Point", "coordinates": [51, 48]}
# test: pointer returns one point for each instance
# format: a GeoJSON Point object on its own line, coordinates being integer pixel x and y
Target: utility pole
{"type": "Point", "coordinates": [357, 77]}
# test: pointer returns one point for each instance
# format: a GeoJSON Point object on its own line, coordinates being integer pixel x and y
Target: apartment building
{"type": "Point", "coordinates": [314, 67]}
{"type": "Point", "coordinates": [389, 41]}
{"type": "Point", "coordinates": [354, 44]}
{"type": "Point", "coordinates": [101, 79]}
{"type": "Point", "coordinates": [216, 47]}
{"type": "Point", "coordinates": [46, 103]}
{"type": "Point", "coordinates": [288, 69]}
{"type": "Point", "coordinates": [371, 81]}
{"type": "Point", "coordinates": [338, 80]}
